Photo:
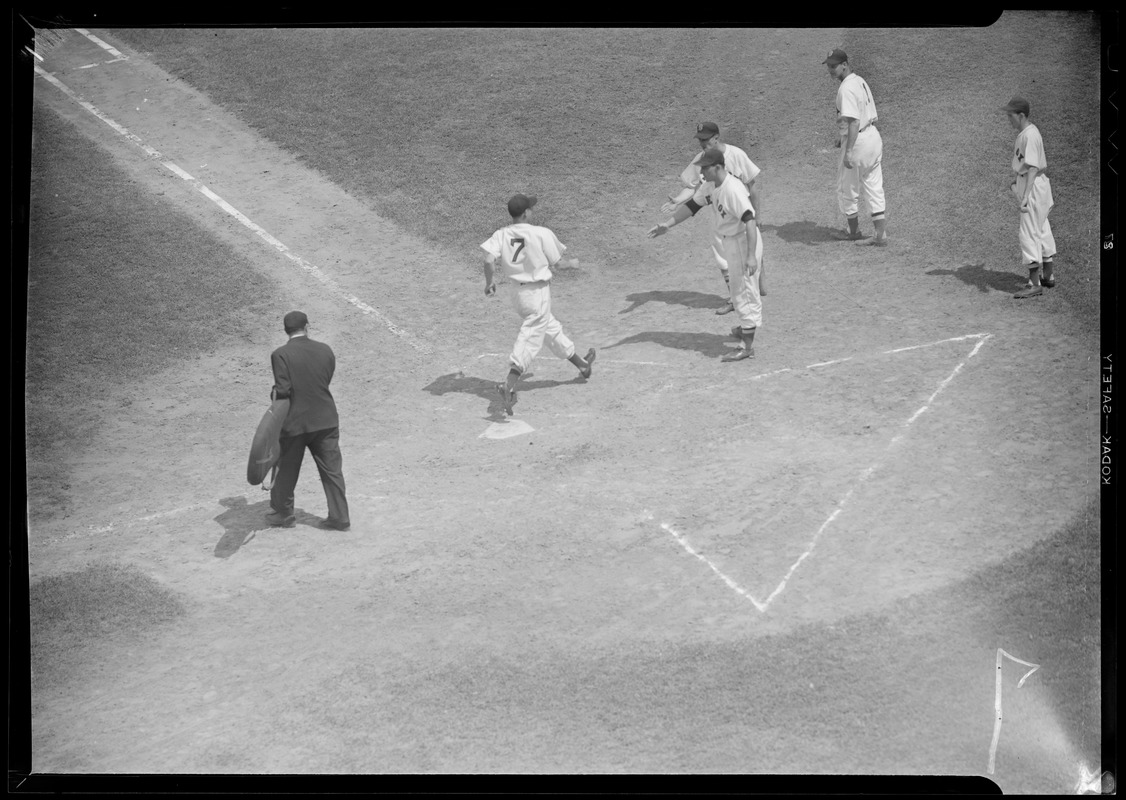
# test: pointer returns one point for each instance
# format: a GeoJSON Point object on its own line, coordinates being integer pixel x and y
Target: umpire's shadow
{"type": "Point", "coordinates": [709, 344]}
{"type": "Point", "coordinates": [984, 279]}
{"type": "Point", "coordinates": [675, 298]}
{"type": "Point", "coordinates": [487, 390]}
{"type": "Point", "coordinates": [242, 520]}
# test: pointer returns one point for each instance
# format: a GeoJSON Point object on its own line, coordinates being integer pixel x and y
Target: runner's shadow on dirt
{"type": "Point", "coordinates": [804, 233]}
{"type": "Point", "coordinates": [709, 344]}
{"type": "Point", "coordinates": [675, 298]}
{"type": "Point", "coordinates": [984, 279]}
{"type": "Point", "coordinates": [487, 390]}
{"type": "Point", "coordinates": [241, 521]}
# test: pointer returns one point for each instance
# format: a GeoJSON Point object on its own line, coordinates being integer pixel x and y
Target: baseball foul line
{"type": "Point", "coordinates": [112, 51]}
{"type": "Point", "coordinates": [310, 268]}
{"type": "Point", "coordinates": [762, 606]}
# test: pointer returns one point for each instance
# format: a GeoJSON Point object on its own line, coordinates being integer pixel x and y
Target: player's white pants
{"type": "Point", "coordinates": [745, 294]}
{"type": "Point", "coordinates": [717, 252]}
{"type": "Point", "coordinates": [866, 176]}
{"type": "Point", "coordinates": [1036, 240]}
{"type": "Point", "coordinates": [532, 302]}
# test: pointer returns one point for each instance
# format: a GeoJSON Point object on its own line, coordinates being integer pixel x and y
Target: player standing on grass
{"type": "Point", "coordinates": [1034, 191]}
{"type": "Point", "coordinates": [736, 162]}
{"type": "Point", "coordinates": [526, 253]}
{"type": "Point", "coordinates": [741, 244]}
{"type": "Point", "coordinates": [860, 171]}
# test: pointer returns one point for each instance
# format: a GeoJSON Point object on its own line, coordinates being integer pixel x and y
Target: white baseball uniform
{"type": "Point", "coordinates": [1036, 241]}
{"type": "Point", "coordinates": [854, 99]}
{"type": "Point", "coordinates": [730, 203]}
{"type": "Point", "coordinates": [527, 252]}
{"type": "Point", "coordinates": [737, 163]}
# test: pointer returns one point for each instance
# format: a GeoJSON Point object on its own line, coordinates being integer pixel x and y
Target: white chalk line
{"type": "Point", "coordinates": [732, 584]}
{"type": "Point", "coordinates": [112, 51]}
{"type": "Point", "coordinates": [864, 476]}
{"type": "Point", "coordinates": [997, 701]}
{"type": "Point", "coordinates": [328, 282]}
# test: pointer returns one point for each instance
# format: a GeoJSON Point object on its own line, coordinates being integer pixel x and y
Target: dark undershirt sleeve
{"type": "Point", "coordinates": [692, 206]}
{"type": "Point", "coordinates": [748, 215]}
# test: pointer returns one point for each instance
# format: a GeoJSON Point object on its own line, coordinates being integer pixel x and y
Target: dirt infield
{"type": "Point", "coordinates": [781, 565]}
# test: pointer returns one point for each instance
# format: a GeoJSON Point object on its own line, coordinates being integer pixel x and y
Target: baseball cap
{"type": "Point", "coordinates": [519, 203]}
{"type": "Point", "coordinates": [836, 56]}
{"type": "Point", "coordinates": [1018, 105]}
{"type": "Point", "coordinates": [710, 157]}
{"type": "Point", "coordinates": [706, 130]}
{"type": "Point", "coordinates": [295, 321]}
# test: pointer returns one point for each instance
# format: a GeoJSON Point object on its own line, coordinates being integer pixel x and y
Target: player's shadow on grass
{"type": "Point", "coordinates": [242, 520]}
{"type": "Point", "coordinates": [675, 298]}
{"type": "Point", "coordinates": [984, 279]}
{"type": "Point", "coordinates": [709, 344]}
{"type": "Point", "coordinates": [487, 390]}
{"type": "Point", "coordinates": [804, 233]}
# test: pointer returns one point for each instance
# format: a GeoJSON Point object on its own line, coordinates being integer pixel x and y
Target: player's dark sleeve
{"type": "Point", "coordinates": [748, 215]}
{"type": "Point", "coordinates": [692, 206]}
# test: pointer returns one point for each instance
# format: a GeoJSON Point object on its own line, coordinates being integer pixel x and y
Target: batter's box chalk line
{"type": "Point", "coordinates": [763, 605]}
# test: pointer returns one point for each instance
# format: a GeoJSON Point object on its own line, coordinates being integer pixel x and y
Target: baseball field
{"type": "Point", "coordinates": [840, 557]}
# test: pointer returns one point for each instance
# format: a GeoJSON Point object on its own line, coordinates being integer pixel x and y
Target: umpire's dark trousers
{"type": "Point", "coordinates": [325, 447]}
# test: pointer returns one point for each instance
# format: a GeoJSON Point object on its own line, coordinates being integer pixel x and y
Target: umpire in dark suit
{"type": "Point", "coordinates": [302, 372]}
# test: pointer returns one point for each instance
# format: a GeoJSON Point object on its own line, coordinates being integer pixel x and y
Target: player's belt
{"type": "Point", "coordinates": [866, 127]}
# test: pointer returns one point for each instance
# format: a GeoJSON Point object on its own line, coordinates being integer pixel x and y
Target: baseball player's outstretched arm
{"type": "Point", "coordinates": [681, 213]}
{"type": "Point", "coordinates": [677, 199]}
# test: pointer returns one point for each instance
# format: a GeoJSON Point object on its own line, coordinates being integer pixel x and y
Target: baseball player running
{"type": "Point", "coordinates": [1034, 191]}
{"type": "Point", "coordinates": [737, 163]}
{"type": "Point", "coordinates": [526, 253]}
{"type": "Point", "coordinates": [741, 244]}
{"type": "Point", "coordinates": [859, 172]}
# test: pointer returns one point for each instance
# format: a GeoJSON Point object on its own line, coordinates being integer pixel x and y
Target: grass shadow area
{"type": "Point", "coordinates": [114, 280]}
{"type": "Point", "coordinates": [75, 613]}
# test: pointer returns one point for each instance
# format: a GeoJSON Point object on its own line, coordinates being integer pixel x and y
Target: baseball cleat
{"type": "Point", "coordinates": [1031, 291]}
{"type": "Point", "coordinates": [873, 242]}
{"type": "Point", "coordinates": [739, 355]}
{"type": "Point", "coordinates": [506, 397]}
{"type": "Point", "coordinates": [845, 236]}
{"type": "Point", "coordinates": [589, 359]}
{"type": "Point", "coordinates": [727, 309]}
{"type": "Point", "coordinates": [334, 525]}
{"type": "Point", "coordinates": [276, 520]}
{"type": "Point", "coordinates": [1048, 283]}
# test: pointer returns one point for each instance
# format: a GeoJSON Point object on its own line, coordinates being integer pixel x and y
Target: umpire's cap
{"type": "Point", "coordinates": [835, 57]}
{"type": "Point", "coordinates": [1018, 105]}
{"type": "Point", "coordinates": [295, 321]}
{"type": "Point", "coordinates": [519, 203]}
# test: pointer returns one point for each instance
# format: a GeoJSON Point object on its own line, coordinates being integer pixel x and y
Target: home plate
{"type": "Point", "coordinates": [506, 430]}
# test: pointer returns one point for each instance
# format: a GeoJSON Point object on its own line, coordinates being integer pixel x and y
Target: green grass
{"type": "Point", "coordinates": [74, 611]}
{"type": "Point", "coordinates": [115, 273]}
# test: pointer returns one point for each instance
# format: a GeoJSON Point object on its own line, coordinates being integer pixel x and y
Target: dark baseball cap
{"type": "Point", "coordinates": [706, 130]}
{"type": "Point", "coordinates": [837, 56]}
{"type": "Point", "coordinates": [1018, 105]}
{"type": "Point", "coordinates": [295, 321]}
{"type": "Point", "coordinates": [710, 157]}
{"type": "Point", "coordinates": [519, 203]}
